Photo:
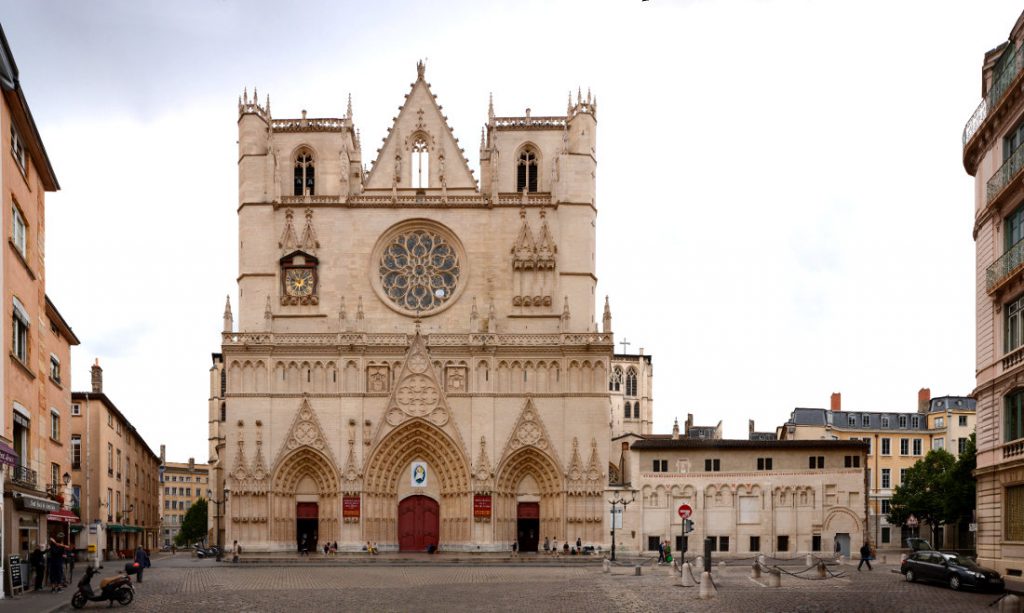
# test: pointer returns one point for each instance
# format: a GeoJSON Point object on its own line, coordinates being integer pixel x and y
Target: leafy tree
{"type": "Point", "coordinates": [925, 492]}
{"type": "Point", "coordinates": [193, 527]}
{"type": "Point", "coordinates": [962, 489]}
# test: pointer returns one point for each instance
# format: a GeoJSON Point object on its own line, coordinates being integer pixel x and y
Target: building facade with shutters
{"type": "Point", "coordinates": [181, 485]}
{"type": "Point", "coordinates": [417, 359]}
{"type": "Point", "coordinates": [35, 386]}
{"type": "Point", "coordinates": [993, 156]}
{"type": "Point", "coordinates": [115, 478]}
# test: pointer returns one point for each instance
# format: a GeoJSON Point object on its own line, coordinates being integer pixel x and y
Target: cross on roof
{"type": "Point", "coordinates": [625, 343]}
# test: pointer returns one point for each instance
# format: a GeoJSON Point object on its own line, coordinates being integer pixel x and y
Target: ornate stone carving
{"type": "Point", "coordinates": [456, 377]}
{"type": "Point", "coordinates": [482, 470]}
{"type": "Point", "coordinates": [377, 379]}
{"type": "Point", "coordinates": [305, 431]}
{"type": "Point", "coordinates": [529, 431]}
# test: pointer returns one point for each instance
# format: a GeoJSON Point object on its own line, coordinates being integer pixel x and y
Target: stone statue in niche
{"type": "Point", "coordinates": [377, 379]}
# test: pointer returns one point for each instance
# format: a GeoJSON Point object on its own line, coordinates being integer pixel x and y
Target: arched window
{"type": "Point", "coordinates": [526, 170]}
{"type": "Point", "coordinates": [420, 164]}
{"type": "Point", "coordinates": [616, 381]}
{"type": "Point", "coordinates": [636, 410]}
{"type": "Point", "coordinates": [305, 180]}
{"type": "Point", "coordinates": [629, 411]}
{"type": "Point", "coordinates": [631, 383]}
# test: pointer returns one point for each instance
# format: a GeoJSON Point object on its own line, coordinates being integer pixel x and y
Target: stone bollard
{"type": "Point", "coordinates": [707, 588]}
{"type": "Point", "coordinates": [1010, 603]}
{"type": "Point", "coordinates": [841, 559]}
{"type": "Point", "coordinates": [810, 561]}
{"type": "Point", "coordinates": [821, 570]}
{"type": "Point", "coordinates": [699, 563]}
{"type": "Point", "coordinates": [607, 565]}
{"type": "Point", "coordinates": [761, 559]}
{"type": "Point", "coordinates": [721, 564]}
{"type": "Point", "coordinates": [673, 570]}
{"type": "Point", "coordinates": [885, 558]}
{"type": "Point", "coordinates": [774, 578]}
{"type": "Point", "coordinates": [687, 580]}
{"type": "Point", "coordinates": [636, 570]}
{"type": "Point", "coordinates": [755, 571]}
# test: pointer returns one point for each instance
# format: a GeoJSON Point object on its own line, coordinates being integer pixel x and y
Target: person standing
{"type": "Point", "coordinates": [661, 553]}
{"type": "Point", "coordinates": [547, 544]}
{"type": "Point", "coordinates": [515, 549]}
{"type": "Point", "coordinates": [37, 561]}
{"type": "Point", "coordinates": [142, 560]}
{"type": "Point", "coordinates": [69, 562]}
{"type": "Point", "coordinates": [579, 545]}
{"type": "Point", "coordinates": [236, 549]}
{"type": "Point", "coordinates": [55, 565]}
{"type": "Point", "coordinates": [865, 556]}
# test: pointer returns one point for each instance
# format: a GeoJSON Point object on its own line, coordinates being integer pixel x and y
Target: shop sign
{"type": "Point", "coordinates": [482, 506]}
{"type": "Point", "coordinates": [41, 505]}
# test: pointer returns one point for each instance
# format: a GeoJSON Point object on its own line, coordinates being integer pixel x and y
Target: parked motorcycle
{"type": "Point", "coordinates": [206, 552]}
{"type": "Point", "coordinates": [118, 587]}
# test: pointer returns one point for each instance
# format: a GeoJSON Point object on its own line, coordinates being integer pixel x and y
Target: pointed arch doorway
{"type": "Point", "coordinates": [307, 518]}
{"type": "Point", "coordinates": [528, 526]}
{"type": "Point", "coordinates": [419, 523]}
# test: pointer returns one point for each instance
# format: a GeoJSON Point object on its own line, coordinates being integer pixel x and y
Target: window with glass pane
{"type": "Point", "coordinates": [904, 446]}
{"type": "Point", "coordinates": [915, 422]}
{"type": "Point", "coordinates": [962, 420]}
{"type": "Point", "coordinates": [1014, 227]}
{"type": "Point", "coordinates": [1013, 140]}
{"type": "Point", "coordinates": [631, 383]}
{"type": "Point", "coordinates": [1014, 513]}
{"type": "Point", "coordinates": [886, 478]}
{"type": "Point", "coordinates": [76, 451]}
{"type": "Point", "coordinates": [903, 476]}
{"type": "Point", "coordinates": [1013, 325]}
{"type": "Point", "coordinates": [18, 230]}
{"type": "Point", "coordinates": [885, 446]}
{"type": "Point", "coordinates": [885, 506]}
{"type": "Point", "coordinates": [1013, 417]}
{"type": "Point", "coordinates": [903, 421]}
{"type": "Point", "coordinates": [917, 446]}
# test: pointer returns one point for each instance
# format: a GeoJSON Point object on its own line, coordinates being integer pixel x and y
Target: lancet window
{"type": "Point", "coordinates": [526, 170]}
{"type": "Point", "coordinates": [631, 383]}
{"type": "Point", "coordinates": [305, 174]}
{"type": "Point", "coordinates": [420, 164]}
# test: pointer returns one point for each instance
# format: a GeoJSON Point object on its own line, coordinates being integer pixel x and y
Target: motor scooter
{"type": "Point", "coordinates": [118, 587]}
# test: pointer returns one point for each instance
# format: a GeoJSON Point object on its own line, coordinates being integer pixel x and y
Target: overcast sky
{"type": "Point", "coordinates": [783, 211]}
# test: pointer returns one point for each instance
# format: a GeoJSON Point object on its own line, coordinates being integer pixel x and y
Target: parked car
{"type": "Point", "coordinates": [954, 570]}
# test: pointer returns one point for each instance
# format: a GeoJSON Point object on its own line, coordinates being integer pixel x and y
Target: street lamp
{"type": "Point", "coordinates": [619, 501]}
{"type": "Point", "coordinates": [223, 499]}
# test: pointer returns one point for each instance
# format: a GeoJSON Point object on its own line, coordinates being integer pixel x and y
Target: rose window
{"type": "Point", "coordinates": [419, 270]}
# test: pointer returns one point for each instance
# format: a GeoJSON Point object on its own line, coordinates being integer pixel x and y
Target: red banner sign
{"type": "Point", "coordinates": [481, 505]}
{"type": "Point", "coordinates": [350, 506]}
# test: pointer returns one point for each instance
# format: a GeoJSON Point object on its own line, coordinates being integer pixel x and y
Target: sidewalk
{"type": "Point", "coordinates": [36, 602]}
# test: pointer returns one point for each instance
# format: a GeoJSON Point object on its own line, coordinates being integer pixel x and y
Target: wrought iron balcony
{"type": "Point", "coordinates": [1007, 264]}
{"type": "Point", "coordinates": [1005, 175]}
{"type": "Point", "coordinates": [24, 475]}
{"type": "Point", "coordinates": [1006, 74]}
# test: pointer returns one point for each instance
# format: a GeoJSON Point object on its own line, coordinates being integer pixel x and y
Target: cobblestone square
{"type": "Point", "coordinates": [186, 584]}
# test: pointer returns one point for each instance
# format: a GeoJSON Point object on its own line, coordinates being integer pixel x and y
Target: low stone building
{"type": "Point", "coordinates": [784, 498]}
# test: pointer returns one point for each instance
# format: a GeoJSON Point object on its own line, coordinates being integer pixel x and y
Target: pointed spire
{"type": "Point", "coordinates": [255, 96]}
{"type": "Point", "coordinates": [579, 96]}
{"type": "Point", "coordinates": [288, 239]}
{"type": "Point", "coordinates": [564, 323]}
{"type": "Point", "coordinates": [348, 111]}
{"type": "Point", "coordinates": [482, 132]}
{"type": "Point", "coordinates": [490, 107]}
{"type": "Point", "coordinates": [245, 94]}
{"type": "Point", "coordinates": [607, 323]}
{"type": "Point", "coordinates": [359, 309]}
{"type": "Point", "coordinates": [309, 240]}
{"type": "Point", "coordinates": [342, 313]}
{"type": "Point", "coordinates": [421, 68]}
{"type": "Point", "coordinates": [675, 430]}
{"type": "Point", "coordinates": [228, 319]}
{"type": "Point", "coordinates": [474, 318]}
{"type": "Point", "coordinates": [588, 96]}
{"type": "Point", "coordinates": [268, 105]}
{"type": "Point", "coordinates": [492, 318]}
{"type": "Point", "coordinates": [268, 315]}
{"type": "Point", "coordinates": [568, 108]}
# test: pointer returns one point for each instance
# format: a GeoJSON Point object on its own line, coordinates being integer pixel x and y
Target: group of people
{"type": "Point", "coordinates": [330, 548]}
{"type": "Point", "coordinates": [370, 549]}
{"type": "Point", "coordinates": [664, 553]}
{"type": "Point", "coordinates": [551, 547]}
{"type": "Point", "coordinates": [52, 561]}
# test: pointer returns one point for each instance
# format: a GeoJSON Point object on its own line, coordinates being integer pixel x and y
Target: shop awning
{"type": "Point", "coordinates": [39, 505]}
{"type": "Point", "coordinates": [63, 515]}
{"type": "Point", "coordinates": [8, 455]}
{"type": "Point", "coordinates": [122, 528]}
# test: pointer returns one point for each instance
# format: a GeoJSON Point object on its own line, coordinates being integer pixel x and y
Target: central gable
{"type": "Point", "coordinates": [420, 120]}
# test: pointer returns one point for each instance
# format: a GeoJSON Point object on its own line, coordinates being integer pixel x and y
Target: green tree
{"type": "Point", "coordinates": [193, 527]}
{"type": "Point", "coordinates": [925, 492]}
{"type": "Point", "coordinates": [962, 488]}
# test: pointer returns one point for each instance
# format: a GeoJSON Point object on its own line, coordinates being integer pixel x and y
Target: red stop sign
{"type": "Point", "coordinates": [685, 511]}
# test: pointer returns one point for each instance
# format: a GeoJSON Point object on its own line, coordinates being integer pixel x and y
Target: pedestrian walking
{"type": "Point", "coordinates": [515, 549]}
{"type": "Point", "coordinates": [661, 553]}
{"type": "Point", "coordinates": [69, 562]}
{"type": "Point", "coordinates": [554, 546]}
{"type": "Point", "coordinates": [142, 559]}
{"type": "Point", "coordinates": [579, 545]}
{"type": "Point", "coordinates": [865, 556]}
{"type": "Point", "coordinates": [236, 549]}
{"type": "Point", "coordinates": [37, 561]}
{"type": "Point", "coordinates": [547, 545]}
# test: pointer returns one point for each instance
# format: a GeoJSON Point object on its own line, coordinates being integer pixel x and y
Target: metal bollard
{"type": "Point", "coordinates": [755, 571]}
{"type": "Point", "coordinates": [774, 578]}
{"type": "Point", "coordinates": [707, 588]}
{"type": "Point", "coordinates": [636, 570]}
{"type": "Point", "coordinates": [821, 570]}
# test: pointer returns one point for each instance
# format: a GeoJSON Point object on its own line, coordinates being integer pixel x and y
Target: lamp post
{"type": "Point", "coordinates": [223, 499]}
{"type": "Point", "coordinates": [619, 501]}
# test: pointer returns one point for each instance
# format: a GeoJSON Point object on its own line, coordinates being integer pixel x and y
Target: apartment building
{"type": "Point", "coordinates": [181, 485]}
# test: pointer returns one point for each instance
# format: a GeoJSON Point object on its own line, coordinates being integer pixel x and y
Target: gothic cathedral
{"type": "Point", "coordinates": [417, 360]}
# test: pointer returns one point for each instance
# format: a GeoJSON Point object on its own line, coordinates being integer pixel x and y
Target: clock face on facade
{"type": "Point", "coordinates": [299, 282]}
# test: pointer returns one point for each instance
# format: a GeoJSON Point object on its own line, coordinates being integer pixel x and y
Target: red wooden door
{"type": "Point", "coordinates": [419, 521]}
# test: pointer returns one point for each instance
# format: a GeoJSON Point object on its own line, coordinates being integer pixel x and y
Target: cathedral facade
{"type": "Point", "coordinates": [416, 359]}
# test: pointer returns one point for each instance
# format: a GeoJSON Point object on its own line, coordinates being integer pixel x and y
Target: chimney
{"type": "Point", "coordinates": [163, 454]}
{"type": "Point", "coordinates": [97, 378]}
{"type": "Point", "coordinates": [675, 430]}
{"type": "Point", "coordinates": [750, 426]}
{"type": "Point", "coordinates": [924, 398]}
{"type": "Point", "coordinates": [837, 401]}
{"type": "Point", "coordinates": [689, 424]}
{"type": "Point", "coordinates": [191, 464]}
